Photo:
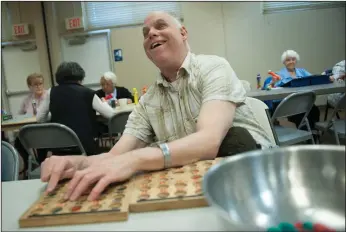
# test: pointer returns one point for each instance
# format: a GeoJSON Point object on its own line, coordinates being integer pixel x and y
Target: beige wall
{"type": "Point", "coordinates": [31, 13]}
{"type": "Point", "coordinates": [136, 70]}
{"type": "Point", "coordinates": [255, 42]}
{"type": "Point", "coordinates": [252, 43]}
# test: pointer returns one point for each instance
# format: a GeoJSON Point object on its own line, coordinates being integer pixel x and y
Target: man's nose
{"type": "Point", "coordinates": [153, 33]}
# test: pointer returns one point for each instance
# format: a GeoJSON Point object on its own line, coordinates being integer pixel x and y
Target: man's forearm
{"type": "Point", "coordinates": [127, 143]}
{"type": "Point", "coordinates": [197, 146]}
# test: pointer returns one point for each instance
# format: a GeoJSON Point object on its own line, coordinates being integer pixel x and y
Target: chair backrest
{"type": "Point", "coordinates": [49, 135]}
{"type": "Point", "coordinates": [9, 162]}
{"type": "Point", "coordinates": [340, 105]}
{"type": "Point", "coordinates": [117, 123]}
{"type": "Point", "coordinates": [260, 110]}
{"type": "Point", "coordinates": [295, 103]}
{"type": "Point", "coordinates": [246, 85]}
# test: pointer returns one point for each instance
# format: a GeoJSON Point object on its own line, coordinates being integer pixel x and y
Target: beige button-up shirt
{"type": "Point", "coordinates": [169, 111]}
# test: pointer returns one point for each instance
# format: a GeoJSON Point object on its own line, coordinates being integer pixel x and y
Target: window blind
{"type": "Point", "coordinates": [100, 15]}
{"type": "Point", "coordinates": [274, 7]}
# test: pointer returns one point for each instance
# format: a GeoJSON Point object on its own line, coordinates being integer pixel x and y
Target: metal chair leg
{"type": "Point", "coordinates": [336, 135]}
{"type": "Point", "coordinates": [309, 129]}
{"type": "Point", "coordinates": [326, 112]}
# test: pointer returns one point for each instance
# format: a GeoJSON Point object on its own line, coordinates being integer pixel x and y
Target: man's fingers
{"type": "Point", "coordinates": [99, 188]}
{"type": "Point", "coordinates": [55, 174]}
{"type": "Point", "coordinates": [74, 182]}
{"type": "Point", "coordinates": [84, 184]}
{"type": "Point", "coordinates": [68, 174]}
{"type": "Point", "coordinates": [46, 168]}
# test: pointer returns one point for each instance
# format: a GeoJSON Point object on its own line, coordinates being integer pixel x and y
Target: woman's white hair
{"type": "Point", "coordinates": [289, 53]}
{"type": "Point", "coordinates": [110, 76]}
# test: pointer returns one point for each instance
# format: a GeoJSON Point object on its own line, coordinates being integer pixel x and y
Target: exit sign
{"type": "Point", "coordinates": [20, 29]}
{"type": "Point", "coordinates": [74, 23]}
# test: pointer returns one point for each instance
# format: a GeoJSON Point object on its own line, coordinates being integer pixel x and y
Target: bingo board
{"type": "Point", "coordinates": [52, 209]}
{"type": "Point", "coordinates": [175, 188]}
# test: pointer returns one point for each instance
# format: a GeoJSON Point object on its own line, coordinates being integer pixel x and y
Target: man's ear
{"type": "Point", "coordinates": [183, 32]}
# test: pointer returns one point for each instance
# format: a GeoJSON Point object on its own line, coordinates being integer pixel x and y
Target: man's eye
{"type": "Point", "coordinates": [161, 26]}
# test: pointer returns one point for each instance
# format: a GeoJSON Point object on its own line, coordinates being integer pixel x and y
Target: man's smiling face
{"type": "Point", "coordinates": [163, 39]}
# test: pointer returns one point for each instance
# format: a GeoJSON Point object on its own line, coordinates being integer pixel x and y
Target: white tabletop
{"type": "Point", "coordinates": [336, 87]}
{"type": "Point", "coordinates": [18, 196]}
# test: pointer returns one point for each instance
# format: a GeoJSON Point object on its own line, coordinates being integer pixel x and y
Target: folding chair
{"type": "Point", "coordinates": [296, 103]}
{"type": "Point", "coordinates": [46, 135]}
{"type": "Point", "coordinates": [334, 124]}
{"type": "Point", "coordinates": [9, 162]}
{"type": "Point", "coordinates": [261, 110]}
{"type": "Point", "coordinates": [116, 125]}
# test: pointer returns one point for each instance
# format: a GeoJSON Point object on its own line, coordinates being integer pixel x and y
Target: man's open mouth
{"type": "Point", "coordinates": [156, 44]}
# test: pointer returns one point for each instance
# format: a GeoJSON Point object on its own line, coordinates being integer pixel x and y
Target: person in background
{"type": "Point", "coordinates": [290, 58]}
{"type": "Point", "coordinates": [108, 83]}
{"type": "Point", "coordinates": [338, 75]}
{"type": "Point", "coordinates": [37, 94]}
{"type": "Point", "coordinates": [174, 115]}
{"type": "Point", "coordinates": [74, 105]}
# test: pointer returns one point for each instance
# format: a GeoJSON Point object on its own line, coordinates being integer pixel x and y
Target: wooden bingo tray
{"type": "Point", "coordinates": [175, 188]}
{"type": "Point", "coordinates": [52, 209]}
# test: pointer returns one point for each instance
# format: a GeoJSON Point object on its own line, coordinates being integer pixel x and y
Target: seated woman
{"type": "Point", "coordinates": [289, 58]}
{"type": "Point", "coordinates": [73, 105]}
{"type": "Point", "coordinates": [37, 94]}
{"type": "Point", "coordinates": [108, 83]}
{"type": "Point", "coordinates": [338, 75]}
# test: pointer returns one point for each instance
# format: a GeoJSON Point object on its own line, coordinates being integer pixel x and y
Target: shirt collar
{"type": "Point", "coordinates": [183, 71]}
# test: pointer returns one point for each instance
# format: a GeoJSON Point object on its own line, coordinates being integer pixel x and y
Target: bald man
{"type": "Point", "coordinates": [191, 113]}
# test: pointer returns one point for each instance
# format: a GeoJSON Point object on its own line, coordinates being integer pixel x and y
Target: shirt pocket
{"type": "Point", "coordinates": [161, 121]}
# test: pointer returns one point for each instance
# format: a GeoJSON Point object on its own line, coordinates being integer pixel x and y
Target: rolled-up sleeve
{"type": "Point", "coordinates": [221, 83]}
{"type": "Point", "coordinates": [138, 124]}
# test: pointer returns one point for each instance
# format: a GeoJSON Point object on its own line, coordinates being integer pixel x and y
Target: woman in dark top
{"type": "Point", "coordinates": [75, 106]}
{"type": "Point", "coordinates": [108, 84]}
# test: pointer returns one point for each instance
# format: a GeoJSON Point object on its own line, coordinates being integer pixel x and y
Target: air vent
{"type": "Point", "coordinates": [78, 40]}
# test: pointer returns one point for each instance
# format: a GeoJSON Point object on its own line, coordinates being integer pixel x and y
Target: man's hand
{"type": "Point", "coordinates": [100, 174]}
{"type": "Point", "coordinates": [57, 168]}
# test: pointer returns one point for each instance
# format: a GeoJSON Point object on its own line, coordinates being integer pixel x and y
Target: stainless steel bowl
{"type": "Point", "coordinates": [260, 189]}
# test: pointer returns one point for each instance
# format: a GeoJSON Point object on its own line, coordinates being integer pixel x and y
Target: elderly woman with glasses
{"type": "Point", "coordinates": [290, 58]}
{"type": "Point", "coordinates": [37, 94]}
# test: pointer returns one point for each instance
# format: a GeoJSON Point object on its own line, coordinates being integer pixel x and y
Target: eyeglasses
{"type": "Point", "coordinates": [37, 85]}
{"type": "Point", "coordinates": [290, 59]}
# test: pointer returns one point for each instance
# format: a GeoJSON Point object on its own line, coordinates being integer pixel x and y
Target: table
{"type": "Point", "coordinates": [281, 93]}
{"type": "Point", "coordinates": [18, 196]}
{"type": "Point", "coordinates": [17, 122]}
{"type": "Point", "coordinates": [127, 108]}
